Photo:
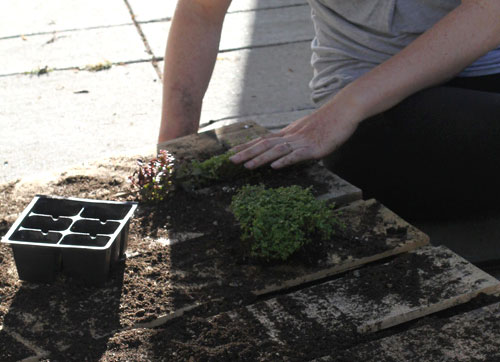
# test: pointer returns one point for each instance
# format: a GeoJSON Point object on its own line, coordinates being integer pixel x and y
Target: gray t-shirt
{"type": "Point", "coordinates": [353, 36]}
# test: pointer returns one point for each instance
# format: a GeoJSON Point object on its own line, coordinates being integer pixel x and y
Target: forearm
{"type": "Point", "coordinates": [189, 61]}
{"type": "Point", "coordinates": [461, 37]}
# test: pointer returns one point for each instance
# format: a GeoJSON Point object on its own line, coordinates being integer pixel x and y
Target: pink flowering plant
{"type": "Point", "coordinates": [154, 178]}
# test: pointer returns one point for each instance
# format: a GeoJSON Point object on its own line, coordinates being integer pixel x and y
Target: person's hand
{"type": "Point", "coordinates": [311, 137]}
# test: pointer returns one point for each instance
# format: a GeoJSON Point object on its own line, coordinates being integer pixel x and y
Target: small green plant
{"type": "Point", "coordinates": [98, 66]}
{"type": "Point", "coordinates": [153, 179]}
{"type": "Point", "coordinates": [197, 174]}
{"type": "Point", "coordinates": [40, 71]}
{"type": "Point", "coordinates": [278, 222]}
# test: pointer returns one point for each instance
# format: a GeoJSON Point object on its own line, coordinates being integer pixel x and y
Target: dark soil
{"type": "Point", "coordinates": [77, 322]}
{"type": "Point", "coordinates": [400, 277]}
{"type": "Point", "coordinates": [12, 350]}
{"type": "Point", "coordinates": [213, 269]}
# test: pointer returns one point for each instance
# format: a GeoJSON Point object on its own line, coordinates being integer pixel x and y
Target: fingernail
{"type": "Point", "coordinates": [249, 164]}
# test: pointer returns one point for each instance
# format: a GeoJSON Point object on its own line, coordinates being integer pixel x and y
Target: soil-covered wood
{"type": "Point", "coordinates": [324, 319]}
{"type": "Point", "coordinates": [472, 336]}
{"type": "Point", "coordinates": [185, 255]}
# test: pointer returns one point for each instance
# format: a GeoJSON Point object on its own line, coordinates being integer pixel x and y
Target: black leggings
{"type": "Point", "coordinates": [434, 155]}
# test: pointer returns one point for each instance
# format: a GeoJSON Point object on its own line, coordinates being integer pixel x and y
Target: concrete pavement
{"type": "Point", "coordinates": [55, 113]}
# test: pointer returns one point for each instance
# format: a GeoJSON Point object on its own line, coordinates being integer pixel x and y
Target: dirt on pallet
{"type": "Point", "coordinates": [67, 318]}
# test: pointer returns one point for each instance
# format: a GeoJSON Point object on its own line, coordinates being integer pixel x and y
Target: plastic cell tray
{"type": "Point", "coordinates": [79, 237]}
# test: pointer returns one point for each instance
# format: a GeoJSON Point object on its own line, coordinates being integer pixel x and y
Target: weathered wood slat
{"type": "Point", "coordinates": [214, 268]}
{"type": "Point", "coordinates": [333, 316]}
{"type": "Point", "coordinates": [341, 306]}
{"type": "Point", "coordinates": [466, 337]}
{"type": "Point", "coordinates": [339, 260]}
{"type": "Point", "coordinates": [443, 279]}
{"type": "Point", "coordinates": [216, 141]}
{"type": "Point", "coordinates": [213, 141]}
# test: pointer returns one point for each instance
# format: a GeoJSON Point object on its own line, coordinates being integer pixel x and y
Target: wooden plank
{"type": "Point", "coordinates": [216, 141]}
{"type": "Point", "coordinates": [383, 229]}
{"type": "Point", "coordinates": [450, 280]}
{"type": "Point", "coordinates": [236, 134]}
{"type": "Point", "coordinates": [340, 191]}
{"type": "Point", "coordinates": [204, 144]}
{"type": "Point", "coordinates": [206, 270]}
{"type": "Point", "coordinates": [331, 316]}
{"type": "Point", "coordinates": [343, 306]}
{"type": "Point", "coordinates": [273, 121]}
{"type": "Point", "coordinates": [465, 337]}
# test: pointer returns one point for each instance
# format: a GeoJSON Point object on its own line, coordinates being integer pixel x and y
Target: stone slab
{"type": "Point", "coordinates": [259, 81]}
{"type": "Point", "coordinates": [24, 17]}
{"type": "Point", "coordinates": [70, 118]}
{"type": "Point", "coordinates": [147, 10]}
{"type": "Point", "coordinates": [472, 336]}
{"type": "Point", "coordinates": [72, 49]}
{"type": "Point", "coordinates": [247, 29]}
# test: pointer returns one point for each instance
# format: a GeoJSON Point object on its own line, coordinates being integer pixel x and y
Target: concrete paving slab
{"type": "Point", "coordinates": [259, 81]}
{"type": "Point", "coordinates": [72, 49]}
{"type": "Point", "coordinates": [24, 17]}
{"type": "Point", "coordinates": [67, 118]}
{"type": "Point", "coordinates": [147, 10]}
{"type": "Point", "coordinates": [247, 29]}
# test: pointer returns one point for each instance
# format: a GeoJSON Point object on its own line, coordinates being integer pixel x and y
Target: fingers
{"type": "Point", "coordinates": [262, 152]}
{"type": "Point", "coordinates": [270, 155]}
{"type": "Point", "coordinates": [248, 144]}
{"type": "Point", "coordinates": [298, 155]}
{"type": "Point", "coordinates": [270, 148]}
{"type": "Point", "coordinates": [241, 147]}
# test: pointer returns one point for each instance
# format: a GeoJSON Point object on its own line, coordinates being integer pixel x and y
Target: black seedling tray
{"type": "Point", "coordinates": [78, 237]}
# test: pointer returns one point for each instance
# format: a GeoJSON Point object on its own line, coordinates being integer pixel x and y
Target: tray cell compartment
{"type": "Point", "coordinates": [34, 236]}
{"type": "Point", "coordinates": [105, 212]}
{"type": "Point", "coordinates": [85, 240]}
{"type": "Point", "coordinates": [46, 223]}
{"type": "Point", "coordinates": [57, 207]}
{"type": "Point", "coordinates": [94, 227]}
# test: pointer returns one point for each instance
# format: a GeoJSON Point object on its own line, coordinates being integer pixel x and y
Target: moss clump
{"type": "Point", "coordinates": [278, 222]}
{"type": "Point", "coordinates": [202, 173]}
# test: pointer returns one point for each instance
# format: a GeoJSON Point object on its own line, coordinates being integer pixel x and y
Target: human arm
{"type": "Point", "coordinates": [190, 56]}
{"type": "Point", "coordinates": [462, 36]}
